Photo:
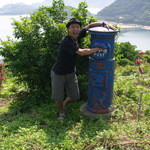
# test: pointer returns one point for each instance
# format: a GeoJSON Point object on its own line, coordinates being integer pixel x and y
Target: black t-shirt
{"type": "Point", "coordinates": [65, 62]}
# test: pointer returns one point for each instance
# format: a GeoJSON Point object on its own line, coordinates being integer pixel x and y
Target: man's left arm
{"type": "Point", "coordinates": [96, 24]}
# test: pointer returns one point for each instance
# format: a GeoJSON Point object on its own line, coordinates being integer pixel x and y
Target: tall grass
{"type": "Point", "coordinates": [36, 127]}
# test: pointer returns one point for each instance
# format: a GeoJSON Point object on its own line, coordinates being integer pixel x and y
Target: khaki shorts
{"type": "Point", "coordinates": [60, 83]}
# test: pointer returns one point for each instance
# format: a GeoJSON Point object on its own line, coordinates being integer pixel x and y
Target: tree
{"type": "Point", "coordinates": [31, 56]}
{"type": "Point", "coordinates": [125, 53]}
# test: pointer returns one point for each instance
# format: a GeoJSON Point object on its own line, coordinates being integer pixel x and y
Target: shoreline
{"type": "Point", "coordinates": [130, 26]}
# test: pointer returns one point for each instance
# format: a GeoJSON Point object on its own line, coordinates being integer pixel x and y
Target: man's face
{"type": "Point", "coordinates": [74, 30]}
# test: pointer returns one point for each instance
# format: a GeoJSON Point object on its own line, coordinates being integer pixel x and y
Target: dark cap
{"type": "Point", "coordinates": [72, 21]}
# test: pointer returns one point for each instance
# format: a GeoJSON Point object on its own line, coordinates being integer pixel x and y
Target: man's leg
{"type": "Point", "coordinates": [67, 101]}
{"type": "Point", "coordinates": [61, 114]}
{"type": "Point", "coordinates": [72, 89]}
{"type": "Point", "coordinates": [60, 107]}
{"type": "Point", "coordinates": [58, 85]}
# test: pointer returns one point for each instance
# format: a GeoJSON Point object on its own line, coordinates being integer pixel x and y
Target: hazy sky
{"type": "Point", "coordinates": [4, 2]}
{"type": "Point", "coordinates": [70, 2]}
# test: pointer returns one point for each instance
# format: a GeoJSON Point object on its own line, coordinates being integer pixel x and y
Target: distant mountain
{"type": "Point", "coordinates": [15, 9]}
{"type": "Point", "coordinates": [21, 8]}
{"type": "Point", "coordinates": [127, 11]}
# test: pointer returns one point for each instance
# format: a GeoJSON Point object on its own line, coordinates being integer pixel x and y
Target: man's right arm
{"type": "Point", "coordinates": [87, 51]}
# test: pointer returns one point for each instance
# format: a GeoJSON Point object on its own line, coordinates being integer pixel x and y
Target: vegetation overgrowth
{"type": "Point", "coordinates": [28, 115]}
{"type": "Point", "coordinates": [126, 11]}
{"type": "Point", "coordinates": [38, 128]}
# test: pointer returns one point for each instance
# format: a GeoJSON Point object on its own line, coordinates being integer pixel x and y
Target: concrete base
{"type": "Point", "coordinates": [89, 114]}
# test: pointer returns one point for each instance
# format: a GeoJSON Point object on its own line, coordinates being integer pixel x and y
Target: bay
{"type": "Point", "coordinates": [139, 38]}
{"type": "Point", "coordinates": [6, 28]}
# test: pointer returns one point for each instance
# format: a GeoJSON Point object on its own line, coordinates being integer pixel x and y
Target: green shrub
{"type": "Point", "coordinates": [125, 62]}
{"type": "Point", "coordinates": [31, 57]}
{"type": "Point", "coordinates": [147, 58]}
{"type": "Point", "coordinates": [125, 53]}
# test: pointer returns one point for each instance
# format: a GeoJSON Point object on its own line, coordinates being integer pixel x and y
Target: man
{"type": "Point", "coordinates": [63, 72]}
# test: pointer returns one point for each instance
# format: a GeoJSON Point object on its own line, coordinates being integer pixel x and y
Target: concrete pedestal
{"type": "Point", "coordinates": [89, 114]}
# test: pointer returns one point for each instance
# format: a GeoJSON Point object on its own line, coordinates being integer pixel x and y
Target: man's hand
{"type": "Point", "coordinates": [103, 24]}
{"type": "Point", "coordinates": [108, 26]}
{"type": "Point", "coordinates": [87, 51]}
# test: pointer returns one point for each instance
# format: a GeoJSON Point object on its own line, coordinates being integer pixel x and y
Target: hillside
{"type": "Point", "coordinates": [127, 11]}
{"type": "Point", "coordinates": [38, 129]}
{"type": "Point", "coordinates": [14, 9]}
{"type": "Point", "coordinates": [21, 8]}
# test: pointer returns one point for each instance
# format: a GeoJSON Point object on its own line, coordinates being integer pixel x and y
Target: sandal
{"type": "Point", "coordinates": [61, 116]}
